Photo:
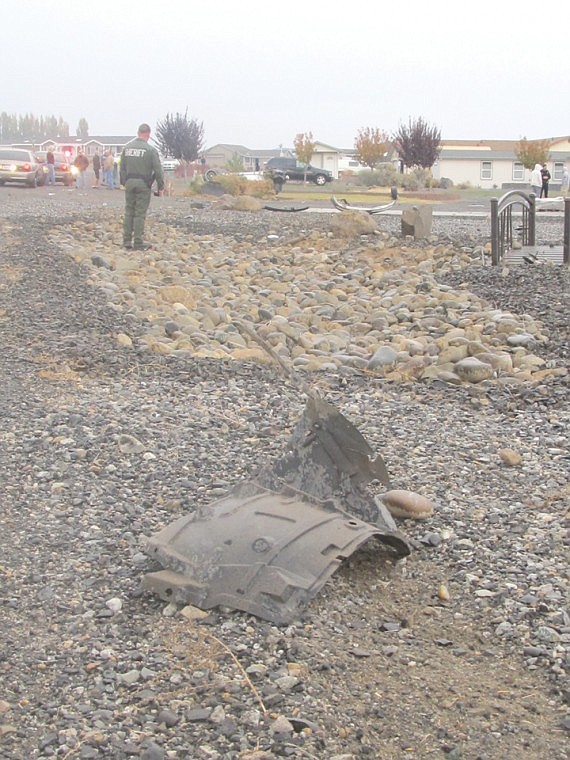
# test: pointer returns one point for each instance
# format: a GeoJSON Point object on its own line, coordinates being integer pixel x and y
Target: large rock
{"type": "Point", "coordinates": [416, 221]}
{"type": "Point", "coordinates": [472, 370]}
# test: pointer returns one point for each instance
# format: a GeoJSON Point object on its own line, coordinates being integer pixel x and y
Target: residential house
{"type": "Point", "coordinates": [324, 157]}
{"type": "Point", "coordinates": [493, 163]}
{"type": "Point", "coordinates": [252, 160]}
{"type": "Point", "coordinates": [71, 145]}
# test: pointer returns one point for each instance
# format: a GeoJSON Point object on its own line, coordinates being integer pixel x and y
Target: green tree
{"type": "Point", "coordinates": [180, 137]}
{"type": "Point", "coordinates": [418, 144]}
{"type": "Point", "coordinates": [82, 130]}
{"type": "Point", "coordinates": [532, 152]}
{"type": "Point", "coordinates": [235, 164]}
{"type": "Point", "coordinates": [304, 149]}
{"type": "Point", "coordinates": [14, 128]}
{"type": "Point", "coordinates": [371, 145]}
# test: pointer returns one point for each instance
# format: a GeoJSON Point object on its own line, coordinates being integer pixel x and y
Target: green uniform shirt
{"type": "Point", "coordinates": [139, 160]}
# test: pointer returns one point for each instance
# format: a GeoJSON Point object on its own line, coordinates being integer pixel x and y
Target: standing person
{"type": "Point", "coordinates": [565, 186]}
{"type": "Point", "coordinates": [81, 163]}
{"type": "Point", "coordinates": [536, 180]}
{"type": "Point", "coordinates": [545, 179]}
{"type": "Point", "coordinates": [96, 166]}
{"type": "Point", "coordinates": [50, 159]}
{"type": "Point", "coordinates": [140, 166]}
{"type": "Point", "coordinates": [108, 164]}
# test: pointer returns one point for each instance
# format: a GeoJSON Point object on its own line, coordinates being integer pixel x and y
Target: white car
{"type": "Point", "coordinates": [170, 164]}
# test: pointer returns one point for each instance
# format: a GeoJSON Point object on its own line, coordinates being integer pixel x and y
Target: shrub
{"type": "Point", "coordinates": [384, 175]}
{"type": "Point", "coordinates": [445, 183]}
{"type": "Point", "coordinates": [233, 184]}
{"type": "Point", "coordinates": [409, 182]}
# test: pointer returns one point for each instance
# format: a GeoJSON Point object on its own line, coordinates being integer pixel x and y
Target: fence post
{"type": "Point", "coordinates": [532, 219]}
{"type": "Point", "coordinates": [495, 231]}
{"type": "Point", "coordinates": [566, 248]}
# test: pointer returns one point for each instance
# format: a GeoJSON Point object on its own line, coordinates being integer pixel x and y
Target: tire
{"type": "Point", "coordinates": [320, 179]}
{"type": "Point", "coordinates": [210, 175]}
{"type": "Point", "coordinates": [33, 182]}
{"type": "Point", "coordinates": [41, 181]}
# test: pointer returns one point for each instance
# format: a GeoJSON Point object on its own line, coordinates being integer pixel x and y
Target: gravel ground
{"type": "Point", "coordinates": [459, 651]}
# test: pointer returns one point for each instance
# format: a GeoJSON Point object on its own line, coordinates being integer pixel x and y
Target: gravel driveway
{"type": "Point", "coordinates": [459, 651]}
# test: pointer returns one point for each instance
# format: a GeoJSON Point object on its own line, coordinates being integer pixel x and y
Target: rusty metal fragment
{"type": "Point", "coordinates": [271, 544]}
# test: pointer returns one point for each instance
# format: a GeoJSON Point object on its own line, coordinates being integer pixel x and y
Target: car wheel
{"type": "Point", "coordinates": [320, 179]}
{"type": "Point", "coordinates": [33, 182]}
{"type": "Point", "coordinates": [41, 181]}
{"type": "Point", "coordinates": [209, 175]}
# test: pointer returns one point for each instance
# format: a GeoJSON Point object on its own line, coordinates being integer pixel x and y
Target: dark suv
{"type": "Point", "coordinates": [284, 169]}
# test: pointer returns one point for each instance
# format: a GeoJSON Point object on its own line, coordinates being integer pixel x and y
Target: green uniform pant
{"type": "Point", "coordinates": [137, 200]}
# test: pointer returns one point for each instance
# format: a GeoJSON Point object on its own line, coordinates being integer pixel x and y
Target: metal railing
{"type": "Point", "coordinates": [504, 231]}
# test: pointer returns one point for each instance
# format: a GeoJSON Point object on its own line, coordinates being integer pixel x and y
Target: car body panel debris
{"type": "Point", "coordinates": [271, 544]}
{"type": "Point", "coordinates": [256, 550]}
{"type": "Point", "coordinates": [343, 205]}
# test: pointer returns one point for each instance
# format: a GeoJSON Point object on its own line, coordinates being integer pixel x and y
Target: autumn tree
{"type": "Point", "coordinates": [532, 152]}
{"type": "Point", "coordinates": [180, 137]}
{"type": "Point", "coordinates": [418, 144]}
{"type": "Point", "coordinates": [371, 145]}
{"type": "Point", "coordinates": [304, 149]}
{"type": "Point", "coordinates": [82, 129]}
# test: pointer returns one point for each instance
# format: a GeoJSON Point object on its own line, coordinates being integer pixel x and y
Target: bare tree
{"type": "Point", "coordinates": [304, 149]}
{"type": "Point", "coordinates": [418, 143]}
{"type": "Point", "coordinates": [371, 145]}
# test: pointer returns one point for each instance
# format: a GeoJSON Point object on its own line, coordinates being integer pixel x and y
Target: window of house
{"type": "Point", "coordinates": [486, 170]}
{"type": "Point", "coordinates": [518, 170]}
{"type": "Point", "coordinates": [558, 168]}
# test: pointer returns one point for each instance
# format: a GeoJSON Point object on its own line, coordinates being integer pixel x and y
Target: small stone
{"type": "Point", "coordinates": [152, 751]}
{"type": "Point", "coordinates": [443, 593]}
{"type": "Point", "coordinates": [114, 604]}
{"type": "Point", "coordinates": [124, 341]}
{"type": "Point", "coordinates": [385, 356]}
{"type": "Point", "coordinates": [546, 633]}
{"type": "Point", "coordinates": [281, 725]}
{"type": "Point", "coordinates": [198, 714]}
{"type": "Point", "coordinates": [100, 261]}
{"type": "Point", "coordinates": [193, 613]}
{"type": "Point", "coordinates": [128, 444]}
{"type": "Point", "coordinates": [510, 457]}
{"type": "Point", "coordinates": [168, 717]}
{"type": "Point", "coordinates": [130, 677]}
{"type": "Point", "coordinates": [407, 504]}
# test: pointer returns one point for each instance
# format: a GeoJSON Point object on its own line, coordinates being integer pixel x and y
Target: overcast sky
{"type": "Point", "coordinates": [257, 72]}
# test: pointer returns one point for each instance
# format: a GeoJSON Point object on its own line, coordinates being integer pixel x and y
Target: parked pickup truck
{"type": "Point", "coordinates": [284, 169]}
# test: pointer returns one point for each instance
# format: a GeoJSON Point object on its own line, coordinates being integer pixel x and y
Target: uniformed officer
{"type": "Point", "coordinates": [139, 168]}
